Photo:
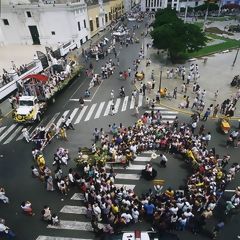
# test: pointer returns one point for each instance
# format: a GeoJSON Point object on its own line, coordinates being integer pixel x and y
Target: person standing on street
{"type": "Point", "coordinates": [163, 160]}
{"type": "Point", "coordinates": [112, 95]}
{"type": "Point", "coordinates": [144, 87]}
{"type": "Point", "coordinates": [96, 134]}
{"type": "Point", "coordinates": [206, 115]}
{"type": "Point", "coordinates": [175, 93]}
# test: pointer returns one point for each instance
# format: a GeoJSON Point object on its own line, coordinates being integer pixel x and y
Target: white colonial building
{"type": "Point", "coordinates": [154, 5]}
{"type": "Point", "coordinates": [48, 22]}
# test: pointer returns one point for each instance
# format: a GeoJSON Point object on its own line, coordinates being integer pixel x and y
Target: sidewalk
{"type": "Point", "coordinates": [216, 74]}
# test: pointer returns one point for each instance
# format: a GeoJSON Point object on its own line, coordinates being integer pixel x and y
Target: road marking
{"type": "Point", "coordinates": [14, 134]}
{"type": "Point", "coordinates": [128, 176]}
{"type": "Point", "coordinates": [75, 225]}
{"type": "Point", "coordinates": [78, 197]}
{"type": "Point", "coordinates": [108, 108]}
{"type": "Point", "coordinates": [2, 128]}
{"type": "Point", "coordinates": [132, 104]}
{"type": "Point", "coordinates": [90, 112]}
{"type": "Point", "coordinates": [140, 100]}
{"type": "Point", "coordinates": [8, 131]}
{"type": "Point", "coordinates": [60, 119]}
{"type": "Point", "coordinates": [20, 137]}
{"type": "Point", "coordinates": [127, 186]}
{"type": "Point", "coordinates": [159, 108]}
{"type": "Point", "coordinates": [116, 106]}
{"type": "Point", "coordinates": [52, 120]}
{"type": "Point", "coordinates": [230, 190]}
{"type": "Point", "coordinates": [73, 209]}
{"type": "Point", "coordinates": [142, 159]}
{"type": "Point", "coordinates": [81, 115]}
{"type": "Point", "coordinates": [130, 167]}
{"type": "Point", "coordinates": [74, 99]}
{"type": "Point", "coordinates": [125, 101]}
{"type": "Point", "coordinates": [167, 121]}
{"type": "Point", "coordinates": [97, 89]}
{"type": "Point", "coordinates": [169, 112]}
{"type": "Point", "coordinates": [100, 108]}
{"type": "Point", "coordinates": [41, 237]}
{"type": "Point", "coordinates": [74, 112]}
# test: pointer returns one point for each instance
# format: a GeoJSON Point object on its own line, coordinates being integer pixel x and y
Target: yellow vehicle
{"type": "Point", "coordinates": [28, 110]}
{"type": "Point", "coordinates": [224, 125]}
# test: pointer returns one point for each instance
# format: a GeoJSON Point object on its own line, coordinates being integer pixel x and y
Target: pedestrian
{"type": "Point", "coordinates": [26, 206]}
{"type": "Point", "coordinates": [187, 102]}
{"type": "Point", "coordinates": [112, 95]}
{"type": "Point", "coordinates": [194, 126]}
{"type": "Point", "coordinates": [215, 110]}
{"type": "Point", "coordinates": [50, 183]}
{"type": "Point", "coordinates": [3, 196]}
{"type": "Point", "coordinates": [144, 87]}
{"type": "Point", "coordinates": [68, 124]}
{"type": "Point", "coordinates": [206, 115]}
{"type": "Point", "coordinates": [217, 229]}
{"type": "Point", "coordinates": [81, 101]}
{"type": "Point", "coordinates": [112, 109]}
{"type": "Point", "coordinates": [163, 160]}
{"type": "Point", "coordinates": [26, 134]}
{"type": "Point", "coordinates": [216, 95]}
{"type": "Point", "coordinates": [96, 135]}
{"type": "Point", "coordinates": [201, 129]}
{"type": "Point", "coordinates": [136, 111]}
{"type": "Point", "coordinates": [175, 93]}
{"type": "Point", "coordinates": [153, 83]}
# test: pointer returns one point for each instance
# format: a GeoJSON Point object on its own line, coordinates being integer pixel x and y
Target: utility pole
{"type": "Point", "coordinates": [205, 18]}
{"type": "Point", "coordinates": [235, 59]}
{"type": "Point", "coordinates": [160, 83]}
{"type": "Point", "coordinates": [220, 7]}
{"type": "Point", "coordinates": [186, 10]}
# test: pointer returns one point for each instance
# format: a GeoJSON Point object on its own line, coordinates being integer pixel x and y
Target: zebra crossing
{"type": "Point", "coordinates": [72, 215]}
{"type": "Point", "coordinates": [78, 115]}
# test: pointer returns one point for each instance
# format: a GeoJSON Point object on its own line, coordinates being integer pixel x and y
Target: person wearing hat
{"type": "Point", "coordinates": [163, 160]}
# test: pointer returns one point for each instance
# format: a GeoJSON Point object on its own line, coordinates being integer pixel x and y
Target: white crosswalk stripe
{"type": "Point", "coordinates": [58, 238]}
{"type": "Point", "coordinates": [13, 135]}
{"type": "Point", "coordinates": [140, 100]}
{"type": "Point", "coordinates": [8, 131]}
{"type": "Point", "coordinates": [63, 116]}
{"type": "Point", "coordinates": [117, 104]}
{"type": "Point", "coordinates": [90, 112]}
{"type": "Point", "coordinates": [107, 111]}
{"type": "Point", "coordinates": [75, 225]}
{"type": "Point", "coordinates": [81, 115]}
{"type": "Point", "coordinates": [74, 209]}
{"type": "Point", "coordinates": [124, 105]}
{"type": "Point", "coordinates": [94, 111]}
{"type": "Point", "coordinates": [127, 176]}
{"type": "Point", "coordinates": [99, 110]}
{"type": "Point", "coordinates": [132, 104]}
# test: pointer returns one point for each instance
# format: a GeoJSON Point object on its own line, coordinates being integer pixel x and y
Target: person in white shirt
{"type": "Point", "coordinates": [3, 197]}
{"type": "Point", "coordinates": [127, 216]}
{"type": "Point", "coordinates": [68, 124]}
{"type": "Point", "coordinates": [135, 214]}
{"type": "Point", "coordinates": [97, 211]}
{"type": "Point", "coordinates": [163, 160]}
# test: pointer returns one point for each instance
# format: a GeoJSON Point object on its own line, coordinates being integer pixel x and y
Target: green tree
{"type": "Point", "coordinates": [176, 37]}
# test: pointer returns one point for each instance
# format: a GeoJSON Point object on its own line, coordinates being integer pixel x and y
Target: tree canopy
{"type": "Point", "coordinates": [172, 34]}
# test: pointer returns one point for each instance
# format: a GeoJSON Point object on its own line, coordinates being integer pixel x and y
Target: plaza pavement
{"type": "Point", "coordinates": [216, 74]}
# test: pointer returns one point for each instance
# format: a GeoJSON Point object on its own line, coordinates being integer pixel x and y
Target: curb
{"type": "Point", "coordinates": [190, 113]}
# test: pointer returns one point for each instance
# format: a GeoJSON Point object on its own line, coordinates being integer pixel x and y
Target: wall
{"type": "Point", "coordinates": [60, 19]}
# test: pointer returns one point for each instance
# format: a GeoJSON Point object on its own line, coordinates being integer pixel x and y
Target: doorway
{"type": "Point", "coordinates": [35, 35]}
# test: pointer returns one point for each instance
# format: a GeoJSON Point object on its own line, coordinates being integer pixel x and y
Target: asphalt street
{"type": "Point", "coordinates": [15, 172]}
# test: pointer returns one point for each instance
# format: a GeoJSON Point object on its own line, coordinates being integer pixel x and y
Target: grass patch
{"type": "Point", "coordinates": [228, 44]}
{"type": "Point", "coordinates": [199, 24]}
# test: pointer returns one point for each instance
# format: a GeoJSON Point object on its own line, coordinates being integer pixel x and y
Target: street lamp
{"type": "Point", "coordinates": [234, 61]}
{"type": "Point", "coordinates": [160, 83]}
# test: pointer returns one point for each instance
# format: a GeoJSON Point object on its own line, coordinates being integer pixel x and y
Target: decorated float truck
{"type": "Point", "coordinates": [33, 101]}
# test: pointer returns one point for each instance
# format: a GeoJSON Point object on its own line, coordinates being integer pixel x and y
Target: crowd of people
{"type": "Point", "coordinates": [188, 208]}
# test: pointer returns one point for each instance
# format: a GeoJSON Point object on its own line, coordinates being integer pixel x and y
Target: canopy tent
{"type": "Point", "coordinates": [39, 77]}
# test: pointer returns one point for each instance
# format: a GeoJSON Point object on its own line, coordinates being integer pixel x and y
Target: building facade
{"type": "Point", "coordinates": [42, 23]}
{"type": "Point", "coordinates": [129, 4]}
{"type": "Point", "coordinates": [102, 13]}
{"type": "Point", "coordinates": [154, 5]}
